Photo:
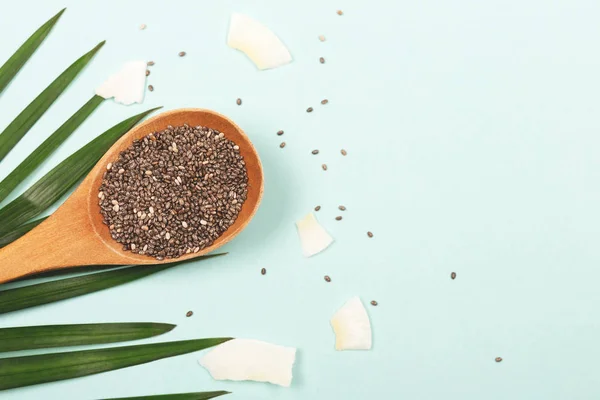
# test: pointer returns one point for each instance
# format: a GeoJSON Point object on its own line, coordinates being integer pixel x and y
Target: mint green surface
{"type": "Point", "coordinates": [473, 142]}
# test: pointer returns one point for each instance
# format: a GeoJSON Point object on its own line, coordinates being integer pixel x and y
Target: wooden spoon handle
{"type": "Point", "coordinates": [54, 244]}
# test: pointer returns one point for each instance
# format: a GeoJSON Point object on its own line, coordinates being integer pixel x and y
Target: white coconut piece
{"type": "Point", "coordinates": [127, 85]}
{"type": "Point", "coordinates": [313, 237]}
{"type": "Point", "coordinates": [251, 360]}
{"type": "Point", "coordinates": [257, 41]}
{"type": "Point", "coordinates": [352, 327]}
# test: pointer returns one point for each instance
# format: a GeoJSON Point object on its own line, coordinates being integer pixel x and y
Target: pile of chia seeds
{"type": "Point", "coordinates": [173, 192]}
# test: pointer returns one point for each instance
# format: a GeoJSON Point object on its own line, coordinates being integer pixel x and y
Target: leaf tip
{"type": "Point", "coordinates": [98, 47]}
{"type": "Point", "coordinates": [220, 393]}
{"type": "Point", "coordinates": [58, 15]}
{"type": "Point", "coordinates": [52, 21]}
{"type": "Point", "coordinates": [147, 112]}
{"type": "Point", "coordinates": [213, 255]}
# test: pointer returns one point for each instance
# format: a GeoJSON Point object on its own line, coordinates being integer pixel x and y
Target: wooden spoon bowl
{"type": "Point", "coordinates": [75, 234]}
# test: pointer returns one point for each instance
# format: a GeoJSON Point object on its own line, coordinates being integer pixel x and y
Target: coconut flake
{"type": "Point", "coordinates": [251, 360]}
{"type": "Point", "coordinates": [127, 85]}
{"type": "Point", "coordinates": [352, 327]}
{"type": "Point", "coordinates": [313, 237]}
{"type": "Point", "coordinates": [257, 41]}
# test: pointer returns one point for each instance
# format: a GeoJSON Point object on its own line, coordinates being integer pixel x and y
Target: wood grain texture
{"type": "Point", "coordinates": [75, 234]}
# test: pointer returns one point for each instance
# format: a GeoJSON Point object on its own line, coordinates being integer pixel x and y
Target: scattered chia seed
{"type": "Point", "coordinates": [282, 145]}
{"type": "Point", "coordinates": [309, 109]}
{"type": "Point", "coordinates": [279, 133]}
{"type": "Point", "coordinates": [374, 303]}
{"type": "Point", "coordinates": [322, 60]}
{"type": "Point", "coordinates": [147, 72]}
{"type": "Point", "coordinates": [324, 166]}
{"type": "Point", "coordinates": [263, 271]}
{"type": "Point", "coordinates": [150, 63]}
{"type": "Point", "coordinates": [321, 38]}
{"type": "Point", "coordinates": [317, 208]}
{"type": "Point", "coordinates": [344, 152]}
{"type": "Point", "coordinates": [151, 88]}
{"type": "Point", "coordinates": [498, 359]}
{"type": "Point", "coordinates": [238, 102]}
{"type": "Point", "coordinates": [327, 278]}
{"type": "Point", "coordinates": [324, 101]}
{"type": "Point", "coordinates": [453, 275]}
{"type": "Point", "coordinates": [315, 151]}
{"type": "Point", "coordinates": [342, 208]}
{"type": "Point", "coordinates": [189, 314]}
{"type": "Point", "coordinates": [195, 189]}
{"type": "Point", "coordinates": [182, 54]}
{"type": "Point", "coordinates": [338, 218]}
{"type": "Point", "coordinates": [370, 234]}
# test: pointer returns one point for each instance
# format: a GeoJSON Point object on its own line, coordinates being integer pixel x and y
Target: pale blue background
{"type": "Point", "coordinates": [472, 133]}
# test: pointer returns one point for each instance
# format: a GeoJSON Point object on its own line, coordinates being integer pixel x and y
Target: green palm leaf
{"type": "Point", "coordinates": [17, 60]}
{"type": "Point", "coordinates": [49, 292]}
{"type": "Point", "coordinates": [47, 336]}
{"type": "Point", "coordinates": [178, 396]}
{"type": "Point", "coordinates": [62, 178]}
{"type": "Point", "coordinates": [16, 221]}
{"type": "Point", "coordinates": [47, 147]}
{"type": "Point", "coordinates": [32, 370]}
{"type": "Point", "coordinates": [34, 111]}
{"type": "Point", "coordinates": [84, 269]}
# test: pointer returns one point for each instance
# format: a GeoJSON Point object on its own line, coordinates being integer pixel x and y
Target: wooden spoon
{"type": "Point", "coordinates": [76, 236]}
